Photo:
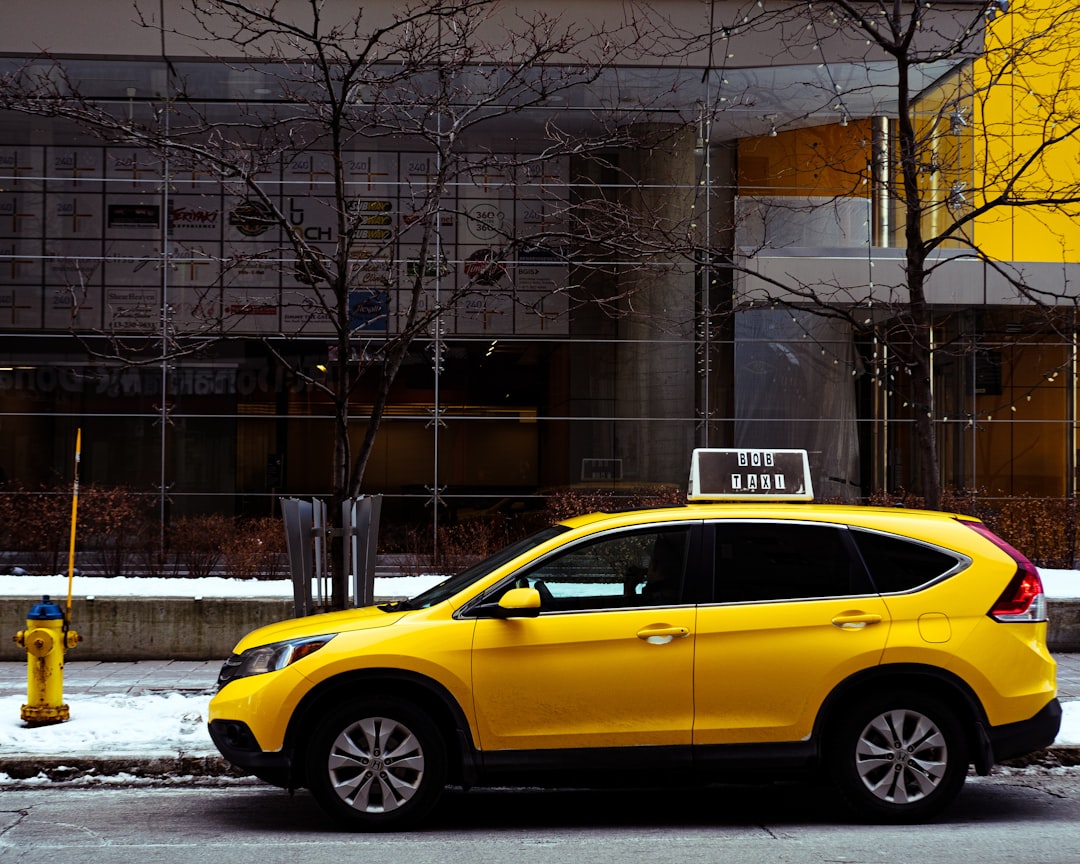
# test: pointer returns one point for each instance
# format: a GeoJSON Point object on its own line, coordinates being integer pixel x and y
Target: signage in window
{"type": "Point", "coordinates": [601, 470]}
{"type": "Point", "coordinates": [134, 216]}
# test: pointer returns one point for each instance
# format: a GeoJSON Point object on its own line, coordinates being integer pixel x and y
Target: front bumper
{"type": "Point", "coordinates": [1014, 740]}
{"type": "Point", "coordinates": [238, 745]}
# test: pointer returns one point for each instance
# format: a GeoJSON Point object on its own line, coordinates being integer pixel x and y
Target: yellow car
{"type": "Point", "coordinates": [888, 648]}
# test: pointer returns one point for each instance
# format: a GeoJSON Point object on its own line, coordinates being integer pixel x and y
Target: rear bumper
{"type": "Point", "coordinates": [1028, 736]}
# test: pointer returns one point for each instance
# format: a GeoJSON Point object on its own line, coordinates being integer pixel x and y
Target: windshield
{"type": "Point", "coordinates": [453, 584]}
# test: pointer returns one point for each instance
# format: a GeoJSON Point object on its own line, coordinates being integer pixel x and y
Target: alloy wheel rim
{"type": "Point", "coordinates": [376, 765]}
{"type": "Point", "coordinates": [901, 756]}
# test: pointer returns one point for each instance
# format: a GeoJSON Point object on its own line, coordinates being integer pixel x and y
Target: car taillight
{"type": "Point", "coordinates": [1023, 599]}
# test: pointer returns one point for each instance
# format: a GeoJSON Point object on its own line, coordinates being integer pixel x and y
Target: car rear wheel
{"type": "Point", "coordinates": [901, 757]}
{"type": "Point", "coordinates": [376, 764]}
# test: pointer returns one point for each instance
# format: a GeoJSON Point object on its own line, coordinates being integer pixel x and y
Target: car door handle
{"type": "Point", "coordinates": [662, 635]}
{"type": "Point", "coordinates": [855, 620]}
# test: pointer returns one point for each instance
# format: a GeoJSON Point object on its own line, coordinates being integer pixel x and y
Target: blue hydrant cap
{"type": "Point", "coordinates": [46, 610]}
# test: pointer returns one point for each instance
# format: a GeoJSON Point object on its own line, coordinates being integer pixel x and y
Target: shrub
{"type": "Point", "coordinates": [112, 521]}
{"type": "Point", "coordinates": [1044, 529]}
{"type": "Point", "coordinates": [466, 543]}
{"type": "Point", "coordinates": [119, 533]}
{"type": "Point", "coordinates": [198, 541]}
{"type": "Point", "coordinates": [36, 528]}
{"type": "Point", "coordinates": [255, 549]}
{"type": "Point", "coordinates": [573, 502]}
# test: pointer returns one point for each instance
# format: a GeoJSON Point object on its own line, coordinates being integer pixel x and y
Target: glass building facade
{"type": "Point", "coordinates": [566, 370]}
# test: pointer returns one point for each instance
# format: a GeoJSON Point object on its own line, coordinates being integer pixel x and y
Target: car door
{"type": "Point", "coordinates": [608, 661]}
{"type": "Point", "coordinates": [793, 614]}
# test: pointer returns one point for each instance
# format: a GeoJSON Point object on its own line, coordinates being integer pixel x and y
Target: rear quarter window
{"type": "Point", "coordinates": [897, 564]}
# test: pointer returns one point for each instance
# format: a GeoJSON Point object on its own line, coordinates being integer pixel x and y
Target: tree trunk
{"type": "Point", "coordinates": [920, 319]}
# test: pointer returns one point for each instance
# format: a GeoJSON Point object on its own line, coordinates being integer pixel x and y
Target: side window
{"type": "Point", "coordinates": [761, 561]}
{"type": "Point", "coordinates": [622, 570]}
{"type": "Point", "coordinates": [897, 564]}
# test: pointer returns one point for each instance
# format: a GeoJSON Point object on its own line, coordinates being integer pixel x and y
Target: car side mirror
{"type": "Point", "coordinates": [515, 603]}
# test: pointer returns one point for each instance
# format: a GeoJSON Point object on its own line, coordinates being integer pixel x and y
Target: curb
{"type": "Point", "coordinates": [56, 769]}
{"type": "Point", "coordinates": [1058, 756]}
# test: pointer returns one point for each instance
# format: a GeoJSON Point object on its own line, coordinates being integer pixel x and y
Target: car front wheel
{"type": "Point", "coordinates": [376, 764]}
{"type": "Point", "coordinates": [899, 758]}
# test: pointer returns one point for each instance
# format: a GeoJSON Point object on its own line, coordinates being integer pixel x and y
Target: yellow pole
{"type": "Point", "coordinates": [47, 636]}
{"type": "Point", "coordinates": [74, 513]}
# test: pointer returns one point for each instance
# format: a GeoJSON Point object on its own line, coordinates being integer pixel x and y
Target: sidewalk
{"type": "Point", "coordinates": [1068, 676]}
{"type": "Point", "coordinates": [197, 679]}
{"type": "Point", "coordinates": [134, 678]}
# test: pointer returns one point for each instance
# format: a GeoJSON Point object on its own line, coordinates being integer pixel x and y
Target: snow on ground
{"type": "Point", "coordinates": [56, 587]}
{"type": "Point", "coordinates": [1059, 584]}
{"type": "Point", "coordinates": [117, 724]}
{"type": "Point", "coordinates": [172, 723]}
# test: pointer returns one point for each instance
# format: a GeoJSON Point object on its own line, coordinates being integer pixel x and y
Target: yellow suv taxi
{"type": "Point", "coordinates": [887, 648]}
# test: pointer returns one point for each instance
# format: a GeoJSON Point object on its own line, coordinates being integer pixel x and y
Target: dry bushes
{"type": "Point", "coordinates": [118, 534]}
{"type": "Point", "coordinates": [1044, 529]}
{"type": "Point", "coordinates": [35, 528]}
{"type": "Point", "coordinates": [255, 549]}
{"type": "Point", "coordinates": [573, 502]}
{"type": "Point", "coordinates": [466, 542]}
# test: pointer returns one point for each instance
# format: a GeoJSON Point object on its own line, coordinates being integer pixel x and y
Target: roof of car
{"type": "Point", "coordinates": [842, 513]}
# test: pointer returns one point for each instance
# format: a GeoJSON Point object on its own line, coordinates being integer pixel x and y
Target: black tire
{"type": "Point", "coordinates": [376, 764]}
{"type": "Point", "coordinates": [899, 757]}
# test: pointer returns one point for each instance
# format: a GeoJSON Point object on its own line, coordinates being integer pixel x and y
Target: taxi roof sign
{"type": "Point", "coordinates": [742, 474]}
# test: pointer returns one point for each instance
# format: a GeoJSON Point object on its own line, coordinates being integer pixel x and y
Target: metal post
{"type": "Point", "coordinates": [349, 541]}
{"type": "Point", "coordinates": [319, 538]}
{"type": "Point", "coordinates": [298, 519]}
{"type": "Point", "coordinates": [360, 526]}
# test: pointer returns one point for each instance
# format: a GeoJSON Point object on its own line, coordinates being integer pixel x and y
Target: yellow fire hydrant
{"type": "Point", "coordinates": [45, 638]}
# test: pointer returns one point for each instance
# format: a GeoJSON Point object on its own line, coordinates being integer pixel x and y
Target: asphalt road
{"type": "Point", "coordinates": [1027, 816]}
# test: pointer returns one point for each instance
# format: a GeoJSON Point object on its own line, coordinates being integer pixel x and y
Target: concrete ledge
{"type": "Point", "coordinates": [1063, 634]}
{"type": "Point", "coordinates": [149, 628]}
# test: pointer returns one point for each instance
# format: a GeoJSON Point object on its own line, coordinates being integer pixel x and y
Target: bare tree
{"type": "Point", "coordinates": [434, 78]}
{"type": "Point", "coordinates": [956, 116]}
{"type": "Point", "coordinates": [456, 83]}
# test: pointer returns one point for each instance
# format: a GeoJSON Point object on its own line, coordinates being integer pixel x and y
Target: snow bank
{"type": "Point", "coordinates": [209, 586]}
{"type": "Point", "coordinates": [121, 724]}
{"type": "Point", "coordinates": [1059, 584]}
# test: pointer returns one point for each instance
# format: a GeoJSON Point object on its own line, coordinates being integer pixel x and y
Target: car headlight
{"type": "Point", "coordinates": [269, 658]}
